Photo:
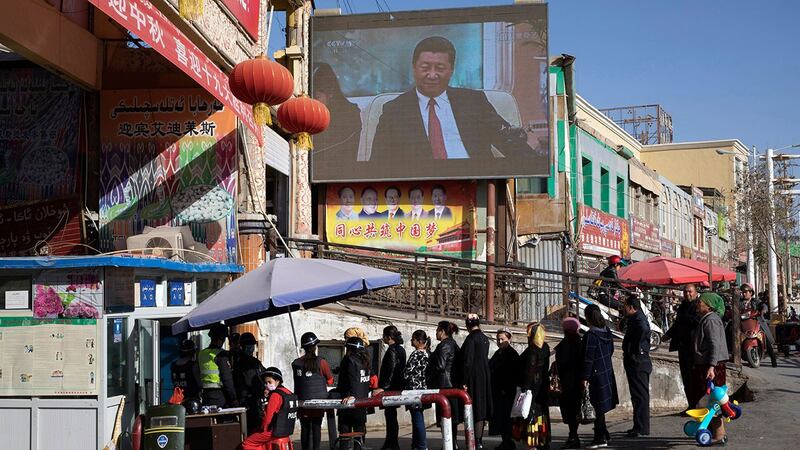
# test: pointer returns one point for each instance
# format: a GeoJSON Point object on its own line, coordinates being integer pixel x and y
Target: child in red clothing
{"type": "Point", "coordinates": [280, 413]}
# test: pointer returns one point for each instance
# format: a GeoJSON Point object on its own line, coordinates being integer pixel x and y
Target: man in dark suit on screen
{"type": "Point", "coordinates": [436, 121]}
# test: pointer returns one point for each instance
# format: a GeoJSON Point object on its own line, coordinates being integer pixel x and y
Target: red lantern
{"type": "Point", "coordinates": [304, 116]}
{"type": "Point", "coordinates": [261, 82]}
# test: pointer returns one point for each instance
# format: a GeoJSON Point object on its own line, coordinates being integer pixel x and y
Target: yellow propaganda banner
{"type": "Point", "coordinates": [433, 217]}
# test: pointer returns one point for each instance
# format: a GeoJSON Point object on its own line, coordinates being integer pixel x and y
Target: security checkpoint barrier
{"type": "Point", "coordinates": [406, 398]}
{"type": "Point", "coordinates": [413, 398]}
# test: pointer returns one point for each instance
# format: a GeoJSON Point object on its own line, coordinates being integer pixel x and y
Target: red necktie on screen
{"type": "Point", "coordinates": [435, 132]}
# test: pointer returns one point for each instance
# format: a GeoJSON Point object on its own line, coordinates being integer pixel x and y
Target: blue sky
{"type": "Point", "coordinates": [722, 69]}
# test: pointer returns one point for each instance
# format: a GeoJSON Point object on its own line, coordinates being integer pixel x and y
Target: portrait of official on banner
{"type": "Point", "coordinates": [416, 217]}
{"type": "Point", "coordinates": [442, 94]}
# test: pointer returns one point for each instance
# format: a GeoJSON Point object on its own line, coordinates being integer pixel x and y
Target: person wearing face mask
{"type": "Point", "coordinates": [502, 373]}
{"type": "Point", "coordinates": [280, 413]}
{"type": "Point", "coordinates": [247, 370]}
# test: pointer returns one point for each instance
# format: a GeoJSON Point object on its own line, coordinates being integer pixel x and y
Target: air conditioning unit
{"type": "Point", "coordinates": [168, 242]}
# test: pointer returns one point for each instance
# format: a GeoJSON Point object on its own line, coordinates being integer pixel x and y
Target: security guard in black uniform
{"type": "Point", "coordinates": [354, 382]}
{"type": "Point", "coordinates": [216, 371]}
{"type": "Point", "coordinates": [247, 371]}
{"type": "Point", "coordinates": [312, 375]}
{"type": "Point", "coordinates": [636, 360]}
{"type": "Point", "coordinates": [186, 371]}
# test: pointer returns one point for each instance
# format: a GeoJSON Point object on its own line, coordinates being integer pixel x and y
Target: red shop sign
{"type": "Point", "coordinates": [246, 12]}
{"type": "Point", "coordinates": [145, 21]}
{"type": "Point", "coordinates": [603, 234]}
{"type": "Point", "coordinates": [645, 235]}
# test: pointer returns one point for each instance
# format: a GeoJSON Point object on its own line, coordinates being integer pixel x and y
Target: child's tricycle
{"type": "Point", "coordinates": [718, 404]}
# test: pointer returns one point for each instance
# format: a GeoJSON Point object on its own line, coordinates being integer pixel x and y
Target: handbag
{"type": "Point", "coordinates": [554, 391]}
{"type": "Point", "coordinates": [177, 396]}
{"type": "Point", "coordinates": [587, 410]}
{"type": "Point", "coordinates": [522, 404]}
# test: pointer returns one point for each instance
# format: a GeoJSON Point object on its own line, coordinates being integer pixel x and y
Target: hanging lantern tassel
{"type": "Point", "coordinates": [190, 9]}
{"type": "Point", "coordinates": [262, 115]}
{"type": "Point", "coordinates": [304, 141]}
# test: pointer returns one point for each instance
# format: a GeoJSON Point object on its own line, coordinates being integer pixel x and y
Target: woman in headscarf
{"type": "Point", "coordinates": [569, 362]}
{"type": "Point", "coordinates": [710, 353]}
{"type": "Point", "coordinates": [534, 365]}
{"type": "Point", "coordinates": [502, 368]}
{"type": "Point", "coordinates": [356, 332]}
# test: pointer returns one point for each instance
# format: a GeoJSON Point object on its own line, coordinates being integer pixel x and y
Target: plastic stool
{"type": "Point", "coordinates": [358, 444]}
{"type": "Point", "coordinates": [284, 443]}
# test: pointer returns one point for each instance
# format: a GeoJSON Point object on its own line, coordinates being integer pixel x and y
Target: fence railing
{"type": "Point", "coordinates": [453, 287]}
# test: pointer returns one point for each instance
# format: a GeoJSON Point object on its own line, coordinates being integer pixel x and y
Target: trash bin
{"type": "Point", "coordinates": [164, 427]}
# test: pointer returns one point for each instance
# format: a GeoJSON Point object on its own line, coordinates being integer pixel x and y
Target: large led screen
{"type": "Point", "coordinates": [440, 94]}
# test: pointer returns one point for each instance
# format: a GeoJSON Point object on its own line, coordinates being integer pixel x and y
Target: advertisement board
{"type": "Point", "coordinates": [168, 158]}
{"type": "Point", "coordinates": [645, 235]}
{"type": "Point", "coordinates": [434, 218]}
{"type": "Point", "coordinates": [436, 94]}
{"type": "Point", "coordinates": [56, 357]}
{"type": "Point", "coordinates": [697, 202]}
{"type": "Point", "coordinates": [602, 234]}
{"type": "Point", "coordinates": [68, 294]}
{"type": "Point", "coordinates": [246, 12]}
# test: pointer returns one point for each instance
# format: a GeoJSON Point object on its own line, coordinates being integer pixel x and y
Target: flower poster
{"type": "Point", "coordinates": [76, 294]}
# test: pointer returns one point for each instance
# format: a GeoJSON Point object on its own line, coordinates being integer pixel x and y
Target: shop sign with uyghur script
{"type": "Point", "coordinates": [603, 234]}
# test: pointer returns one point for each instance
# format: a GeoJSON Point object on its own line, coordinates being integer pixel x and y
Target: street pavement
{"type": "Point", "coordinates": [771, 422]}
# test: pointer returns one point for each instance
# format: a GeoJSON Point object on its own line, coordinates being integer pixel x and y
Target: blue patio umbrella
{"type": "Point", "coordinates": [284, 285]}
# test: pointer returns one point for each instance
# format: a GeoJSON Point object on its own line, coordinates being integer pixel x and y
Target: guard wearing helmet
{"type": "Point", "coordinates": [216, 371]}
{"type": "Point", "coordinates": [355, 381]}
{"type": "Point", "coordinates": [312, 375]}
{"type": "Point", "coordinates": [247, 370]}
{"type": "Point", "coordinates": [186, 371]}
{"type": "Point", "coordinates": [280, 413]}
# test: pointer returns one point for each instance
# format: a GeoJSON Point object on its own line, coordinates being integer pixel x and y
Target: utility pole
{"type": "Point", "coordinates": [772, 258]}
{"type": "Point", "coordinates": [751, 259]}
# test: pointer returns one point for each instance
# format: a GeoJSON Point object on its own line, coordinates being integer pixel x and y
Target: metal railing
{"type": "Point", "coordinates": [453, 287]}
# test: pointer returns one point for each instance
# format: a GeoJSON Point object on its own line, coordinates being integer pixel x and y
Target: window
{"type": "Point", "coordinates": [15, 293]}
{"type": "Point", "coordinates": [586, 166]}
{"type": "Point", "coordinates": [620, 197]}
{"type": "Point", "coordinates": [117, 357]}
{"type": "Point", "coordinates": [535, 185]}
{"type": "Point", "coordinates": [605, 190]}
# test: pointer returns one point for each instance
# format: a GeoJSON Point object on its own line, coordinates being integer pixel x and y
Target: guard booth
{"type": "Point", "coordinates": [79, 334]}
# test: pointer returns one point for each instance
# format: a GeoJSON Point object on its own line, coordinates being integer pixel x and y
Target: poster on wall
{"type": "Point", "coordinates": [433, 218]}
{"type": "Point", "coordinates": [68, 294]}
{"type": "Point", "coordinates": [645, 235]}
{"type": "Point", "coordinates": [435, 94]}
{"type": "Point", "coordinates": [48, 357]}
{"type": "Point", "coordinates": [603, 234]}
{"type": "Point", "coordinates": [38, 135]}
{"type": "Point", "coordinates": [169, 157]}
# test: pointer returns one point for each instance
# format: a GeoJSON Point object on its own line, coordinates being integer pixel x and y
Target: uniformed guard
{"type": "Point", "coordinates": [312, 375]}
{"type": "Point", "coordinates": [280, 413]}
{"type": "Point", "coordinates": [355, 381]}
{"type": "Point", "coordinates": [247, 371]}
{"type": "Point", "coordinates": [216, 372]}
{"type": "Point", "coordinates": [186, 371]}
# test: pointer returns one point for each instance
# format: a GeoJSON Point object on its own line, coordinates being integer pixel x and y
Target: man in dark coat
{"type": "Point", "coordinates": [475, 372]}
{"type": "Point", "coordinates": [679, 336]}
{"type": "Point", "coordinates": [502, 369]}
{"type": "Point", "coordinates": [569, 362]}
{"type": "Point", "coordinates": [434, 121]}
{"type": "Point", "coordinates": [636, 360]}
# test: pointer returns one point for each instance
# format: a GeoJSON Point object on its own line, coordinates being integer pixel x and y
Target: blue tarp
{"type": "Point", "coordinates": [74, 262]}
{"type": "Point", "coordinates": [282, 285]}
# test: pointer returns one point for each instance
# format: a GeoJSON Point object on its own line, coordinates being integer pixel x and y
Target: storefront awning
{"type": "Point", "coordinates": [644, 177]}
{"type": "Point", "coordinates": [73, 262]}
{"type": "Point", "coordinates": [145, 21]}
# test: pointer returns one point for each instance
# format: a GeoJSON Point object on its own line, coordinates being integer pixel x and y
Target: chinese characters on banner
{"type": "Point", "coordinates": [48, 357]}
{"type": "Point", "coordinates": [145, 21]}
{"type": "Point", "coordinates": [168, 158]}
{"type": "Point", "coordinates": [603, 234]}
{"type": "Point", "coordinates": [428, 217]}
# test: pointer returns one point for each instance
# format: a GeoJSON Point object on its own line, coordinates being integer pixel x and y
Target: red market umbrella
{"type": "Point", "coordinates": [663, 270]}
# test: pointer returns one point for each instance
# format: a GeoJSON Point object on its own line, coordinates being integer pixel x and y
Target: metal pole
{"type": "Point", "coordinates": [710, 264]}
{"type": "Point", "coordinates": [737, 332]}
{"type": "Point", "coordinates": [751, 259]}
{"type": "Point", "coordinates": [491, 208]}
{"type": "Point", "coordinates": [772, 257]}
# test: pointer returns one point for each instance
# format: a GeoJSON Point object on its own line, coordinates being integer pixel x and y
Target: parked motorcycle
{"type": "Point", "coordinates": [613, 316]}
{"type": "Point", "coordinates": [753, 342]}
